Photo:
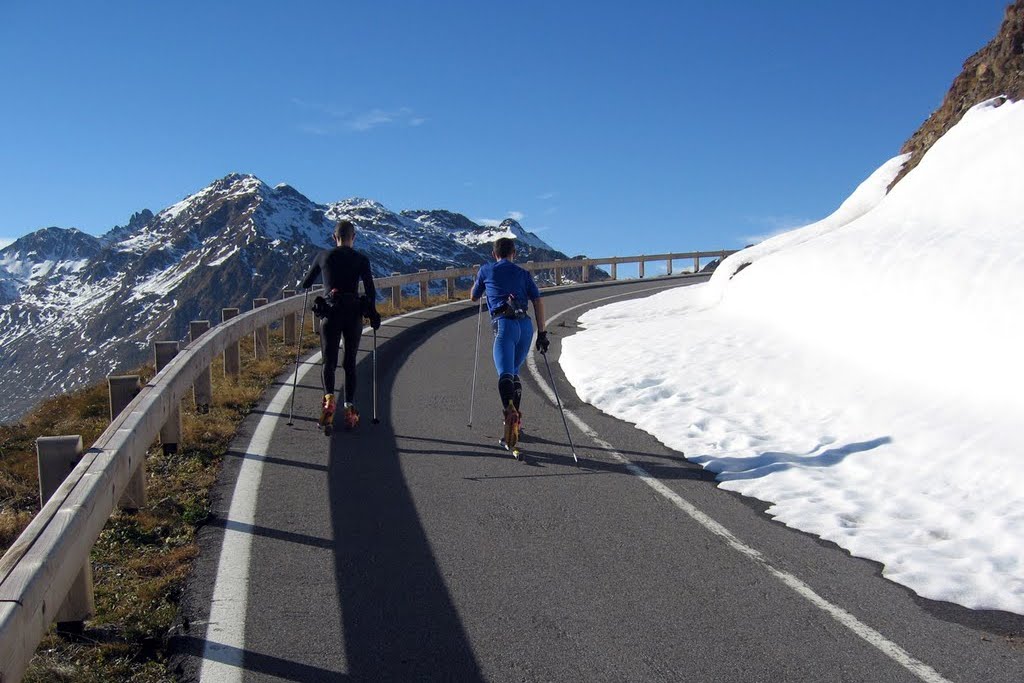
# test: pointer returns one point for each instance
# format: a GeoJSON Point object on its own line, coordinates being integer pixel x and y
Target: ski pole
{"type": "Point", "coordinates": [476, 361]}
{"type": "Point", "coordinates": [298, 349]}
{"type": "Point", "coordinates": [375, 420]}
{"type": "Point", "coordinates": [560, 410]}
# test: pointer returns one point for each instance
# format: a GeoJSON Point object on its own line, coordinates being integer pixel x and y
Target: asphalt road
{"type": "Point", "coordinates": [416, 549]}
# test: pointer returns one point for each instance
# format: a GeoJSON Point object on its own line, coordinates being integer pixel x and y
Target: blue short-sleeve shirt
{"type": "Point", "coordinates": [502, 278]}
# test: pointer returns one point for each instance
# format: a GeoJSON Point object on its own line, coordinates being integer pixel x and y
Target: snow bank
{"type": "Point", "coordinates": [862, 374]}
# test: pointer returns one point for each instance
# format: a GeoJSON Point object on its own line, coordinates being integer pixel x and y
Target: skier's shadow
{"type": "Point", "coordinates": [398, 618]}
{"type": "Point", "coordinates": [557, 453]}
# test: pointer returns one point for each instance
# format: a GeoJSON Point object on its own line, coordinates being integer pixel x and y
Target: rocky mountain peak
{"type": "Point", "coordinates": [53, 244]}
{"type": "Point", "coordinates": [996, 70]}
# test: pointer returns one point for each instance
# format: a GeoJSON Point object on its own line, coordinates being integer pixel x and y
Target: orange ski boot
{"type": "Point", "coordinates": [350, 416]}
{"type": "Point", "coordinates": [511, 438]}
{"type": "Point", "coordinates": [327, 414]}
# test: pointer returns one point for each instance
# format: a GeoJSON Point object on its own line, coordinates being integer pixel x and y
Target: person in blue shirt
{"type": "Point", "coordinates": [509, 289]}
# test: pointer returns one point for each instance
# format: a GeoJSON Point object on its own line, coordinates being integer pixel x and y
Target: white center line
{"type": "Point", "coordinates": [870, 635]}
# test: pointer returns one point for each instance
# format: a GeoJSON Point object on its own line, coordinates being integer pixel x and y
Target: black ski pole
{"type": "Point", "coordinates": [560, 410]}
{"type": "Point", "coordinates": [375, 420]}
{"type": "Point", "coordinates": [298, 350]}
{"type": "Point", "coordinates": [476, 361]}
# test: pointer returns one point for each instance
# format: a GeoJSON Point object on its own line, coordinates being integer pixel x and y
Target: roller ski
{"type": "Point", "coordinates": [510, 440]}
{"type": "Point", "coordinates": [327, 414]}
{"type": "Point", "coordinates": [350, 417]}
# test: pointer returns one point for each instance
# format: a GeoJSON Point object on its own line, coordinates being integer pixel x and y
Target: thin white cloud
{"type": "Point", "coordinates": [547, 195]}
{"type": "Point", "coordinates": [313, 129]}
{"type": "Point", "coordinates": [516, 215]}
{"type": "Point", "coordinates": [6, 241]}
{"type": "Point", "coordinates": [331, 119]}
{"type": "Point", "coordinates": [321, 108]}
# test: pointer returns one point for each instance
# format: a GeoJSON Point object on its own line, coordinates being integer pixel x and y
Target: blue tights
{"type": "Point", "coordinates": [512, 339]}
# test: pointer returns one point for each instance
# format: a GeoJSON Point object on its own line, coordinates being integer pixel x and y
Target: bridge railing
{"type": "Point", "coordinates": [38, 572]}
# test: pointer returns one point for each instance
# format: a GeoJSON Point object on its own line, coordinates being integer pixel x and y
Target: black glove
{"type": "Point", "coordinates": [374, 319]}
{"type": "Point", "coordinates": [542, 342]}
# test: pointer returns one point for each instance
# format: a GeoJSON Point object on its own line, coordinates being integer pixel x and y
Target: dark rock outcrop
{"type": "Point", "coordinates": [997, 70]}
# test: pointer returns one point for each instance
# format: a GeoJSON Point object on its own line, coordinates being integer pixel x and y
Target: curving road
{"type": "Point", "coordinates": [417, 550]}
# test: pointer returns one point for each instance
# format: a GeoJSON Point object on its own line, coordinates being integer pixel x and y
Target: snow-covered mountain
{"type": "Point", "coordinates": [74, 307]}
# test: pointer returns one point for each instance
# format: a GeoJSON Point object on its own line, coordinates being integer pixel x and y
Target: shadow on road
{"type": "Point", "coordinates": [398, 619]}
{"type": "Point", "coordinates": [256, 662]}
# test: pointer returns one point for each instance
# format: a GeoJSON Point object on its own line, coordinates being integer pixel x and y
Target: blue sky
{"type": "Point", "coordinates": [609, 128]}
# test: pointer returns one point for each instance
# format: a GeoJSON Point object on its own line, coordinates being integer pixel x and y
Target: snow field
{"type": "Point", "coordinates": [862, 374]}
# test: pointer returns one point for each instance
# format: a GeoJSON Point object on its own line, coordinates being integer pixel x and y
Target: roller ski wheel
{"type": "Point", "coordinates": [350, 417]}
{"type": "Point", "coordinates": [510, 440]}
{"type": "Point", "coordinates": [327, 414]}
{"type": "Point", "coordinates": [516, 453]}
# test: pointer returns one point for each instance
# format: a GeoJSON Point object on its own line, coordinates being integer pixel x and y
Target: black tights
{"type": "Point", "coordinates": [346, 323]}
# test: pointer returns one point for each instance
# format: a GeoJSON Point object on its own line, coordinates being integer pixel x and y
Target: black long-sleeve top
{"type": "Point", "coordinates": [342, 268]}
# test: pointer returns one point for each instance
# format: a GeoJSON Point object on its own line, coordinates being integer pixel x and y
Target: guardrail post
{"type": "Point", "coordinates": [423, 289]}
{"type": "Point", "coordinates": [615, 270]}
{"type": "Point", "coordinates": [668, 267]}
{"type": "Point", "coordinates": [232, 353]}
{"type": "Point", "coordinates": [289, 320]}
{"type": "Point", "coordinates": [558, 272]}
{"type": "Point", "coordinates": [641, 268]}
{"type": "Point", "coordinates": [396, 295]}
{"type": "Point", "coordinates": [696, 264]}
{"type": "Point", "coordinates": [56, 457]}
{"type": "Point", "coordinates": [202, 390]}
{"type": "Point", "coordinates": [449, 285]}
{"type": "Point", "coordinates": [261, 337]}
{"type": "Point", "coordinates": [586, 271]}
{"type": "Point", "coordinates": [170, 433]}
{"type": "Point", "coordinates": [123, 388]}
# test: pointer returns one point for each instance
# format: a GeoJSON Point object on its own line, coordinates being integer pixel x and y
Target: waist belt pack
{"type": "Point", "coordinates": [336, 301]}
{"type": "Point", "coordinates": [512, 308]}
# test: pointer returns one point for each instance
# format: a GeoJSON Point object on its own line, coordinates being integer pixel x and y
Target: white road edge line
{"type": "Point", "coordinates": [224, 646]}
{"type": "Point", "coordinates": [873, 637]}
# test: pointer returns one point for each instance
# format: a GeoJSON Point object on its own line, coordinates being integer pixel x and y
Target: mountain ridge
{"type": "Point", "coordinates": [75, 307]}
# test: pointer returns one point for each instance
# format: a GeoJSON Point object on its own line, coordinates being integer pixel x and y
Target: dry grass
{"type": "Point", "coordinates": [141, 560]}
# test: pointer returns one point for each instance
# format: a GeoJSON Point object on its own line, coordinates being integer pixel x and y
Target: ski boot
{"type": "Point", "coordinates": [350, 416]}
{"type": "Point", "coordinates": [327, 414]}
{"type": "Point", "coordinates": [511, 438]}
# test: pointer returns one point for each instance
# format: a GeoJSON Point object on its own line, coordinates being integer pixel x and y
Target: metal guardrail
{"type": "Point", "coordinates": [38, 570]}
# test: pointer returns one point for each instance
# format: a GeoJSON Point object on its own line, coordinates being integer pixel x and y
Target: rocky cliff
{"type": "Point", "coordinates": [997, 70]}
